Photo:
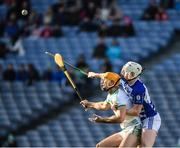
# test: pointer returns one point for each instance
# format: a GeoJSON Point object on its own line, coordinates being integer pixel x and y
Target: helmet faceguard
{"type": "Point", "coordinates": [131, 70]}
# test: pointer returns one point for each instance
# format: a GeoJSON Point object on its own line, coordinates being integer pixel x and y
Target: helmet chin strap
{"type": "Point", "coordinates": [113, 85]}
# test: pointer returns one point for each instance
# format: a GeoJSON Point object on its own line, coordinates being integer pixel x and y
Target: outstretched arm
{"type": "Point", "coordinates": [117, 118]}
{"type": "Point", "coordinates": [96, 105]}
{"type": "Point", "coordinates": [95, 75]}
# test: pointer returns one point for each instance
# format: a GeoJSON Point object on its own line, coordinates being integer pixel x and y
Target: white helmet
{"type": "Point", "coordinates": [131, 70]}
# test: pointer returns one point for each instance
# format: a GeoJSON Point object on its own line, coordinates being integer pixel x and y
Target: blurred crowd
{"type": "Point", "coordinates": [30, 74]}
{"type": "Point", "coordinates": [104, 17]}
{"type": "Point", "coordinates": [157, 11]}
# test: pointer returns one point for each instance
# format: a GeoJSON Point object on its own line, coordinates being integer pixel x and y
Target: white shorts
{"type": "Point", "coordinates": [152, 123]}
{"type": "Point", "coordinates": [134, 127]}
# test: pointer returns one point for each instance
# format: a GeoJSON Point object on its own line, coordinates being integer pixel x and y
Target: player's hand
{"type": "Point", "coordinates": [114, 106]}
{"type": "Point", "coordinates": [85, 104]}
{"type": "Point", "coordinates": [92, 75]}
{"type": "Point", "coordinates": [95, 118]}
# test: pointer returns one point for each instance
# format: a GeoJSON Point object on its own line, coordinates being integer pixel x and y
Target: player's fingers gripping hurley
{"type": "Point", "coordinates": [91, 75]}
{"type": "Point", "coordinates": [94, 118]}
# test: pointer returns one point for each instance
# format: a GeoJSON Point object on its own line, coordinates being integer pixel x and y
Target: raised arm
{"type": "Point", "coordinates": [95, 75]}
{"type": "Point", "coordinates": [96, 105]}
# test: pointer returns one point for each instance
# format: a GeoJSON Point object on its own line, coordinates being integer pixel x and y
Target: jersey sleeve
{"type": "Point", "coordinates": [121, 99]}
{"type": "Point", "coordinates": [138, 96]}
{"type": "Point", "coordinates": [107, 100]}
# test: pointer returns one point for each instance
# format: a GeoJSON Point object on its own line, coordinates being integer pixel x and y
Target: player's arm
{"type": "Point", "coordinates": [135, 110]}
{"type": "Point", "coordinates": [95, 75]}
{"type": "Point", "coordinates": [118, 118]}
{"type": "Point", "coordinates": [96, 105]}
{"type": "Point", "coordinates": [137, 105]}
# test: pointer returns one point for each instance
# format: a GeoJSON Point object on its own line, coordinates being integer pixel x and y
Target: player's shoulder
{"type": "Point", "coordinates": [139, 87]}
{"type": "Point", "coordinates": [122, 94]}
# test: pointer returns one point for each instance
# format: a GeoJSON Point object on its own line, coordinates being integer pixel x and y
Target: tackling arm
{"type": "Point", "coordinates": [135, 110]}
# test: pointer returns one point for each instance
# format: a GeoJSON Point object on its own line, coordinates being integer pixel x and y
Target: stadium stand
{"type": "Point", "coordinates": [21, 104]}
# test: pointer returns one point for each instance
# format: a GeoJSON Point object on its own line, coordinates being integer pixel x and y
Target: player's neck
{"type": "Point", "coordinates": [132, 82]}
{"type": "Point", "coordinates": [112, 90]}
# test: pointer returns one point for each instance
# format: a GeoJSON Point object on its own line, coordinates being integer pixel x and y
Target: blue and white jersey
{"type": "Point", "coordinates": [138, 94]}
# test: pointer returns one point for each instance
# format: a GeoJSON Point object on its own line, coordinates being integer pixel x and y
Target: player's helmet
{"type": "Point", "coordinates": [131, 70]}
{"type": "Point", "coordinates": [114, 77]}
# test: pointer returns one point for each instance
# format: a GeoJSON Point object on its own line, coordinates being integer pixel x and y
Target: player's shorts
{"type": "Point", "coordinates": [134, 128]}
{"type": "Point", "coordinates": [152, 123]}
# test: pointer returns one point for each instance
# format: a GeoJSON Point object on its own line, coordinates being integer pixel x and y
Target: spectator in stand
{"type": "Point", "coordinates": [151, 11]}
{"type": "Point", "coordinates": [3, 50]}
{"type": "Point", "coordinates": [114, 51]}
{"type": "Point", "coordinates": [9, 74]}
{"type": "Point", "coordinates": [57, 31]}
{"type": "Point", "coordinates": [103, 12]}
{"type": "Point", "coordinates": [33, 18]}
{"type": "Point", "coordinates": [22, 73]}
{"type": "Point", "coordinates": [81, 63]}
{"type": "Point", "coordinates": [87, 15]}
{"type": "Point", "coordinates": [81, 80]}
{"type": "Point", "coordinates": [167, 4]}
{"type": "Point", "coordinates": [115, 12]}
{"type": "Point", "coordinates": [127, 27]}
{"type": "Point", "coordinates": [56, 6]}
{"type": "Point", "coordinates": [73, 10]}
{"type": "Point", "coordinates": [1, 72]}
{"type": "Point", "coordinates": [87, 25]}
{"type": "Point", "coordinates": [16, 46]}
{"type": "Point", "coordinates": [59, 14]}
{"type": "Point", "coordinates": [11, 27]}
{"type": "Point", "coordinates": [102, 30]}
{"type": "Point", "coordinates": [36, 30]}
{"type": "Point", "coordinates": [90, 10]}
{"type": "Point", "coordinates": [47, 75]}
{"type": "Point", "coordinates": [48, 16]}
{"type": "Point", "coordinates": [32, 25]}
{"type": "Point", "coordinates": [115, 29]}
{"type": "Point", "coordinates": [46, 31]}
{"type": "Point", "coordinates": [161, 15]}
{"type": "Point", "coordinates": [2, 26]}
{"type": "Point", "coordinates": [58, 75]}
{"type": "Point", "coordinates": [107, 66]}
{"type": "Point", "coordinates": [33, 74]}
{"type": "Point", "coordinates": [100, 49]}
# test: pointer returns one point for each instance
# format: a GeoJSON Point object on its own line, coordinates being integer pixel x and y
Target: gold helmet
{"type": "Point", "coordinates": [109, 80]}
{"type": "Point", "coordinates": [111, 76]}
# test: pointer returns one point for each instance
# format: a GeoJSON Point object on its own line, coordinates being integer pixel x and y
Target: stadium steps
{"type": "Point", "coordinates": [172, 48]}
